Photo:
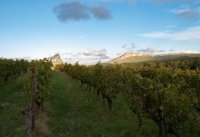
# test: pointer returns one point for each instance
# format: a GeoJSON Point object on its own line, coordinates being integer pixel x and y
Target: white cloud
{"type": "Point", "coordinates": [153, 1]}
{"type": "Point", "coordinates": [190, 52]}
{"type": "Point", "coordinates": [187, 13]}
{"type": "Point", "coordinates": [87, 57]}
{"type": "Point", "coordinates": [83, 61]}
{"type": "Point", "coordinates": [174, 1]}
{"type": "Point", "coordinates": [98, 53]}
{"type": "Point", "coordinates": [151, 50]}
{"type": "Point", "coordinates": [189, 34]}
{"type": "Point", "coordinates": [130, 1]}
{"type": "Point", "coordinates": [82, 37]}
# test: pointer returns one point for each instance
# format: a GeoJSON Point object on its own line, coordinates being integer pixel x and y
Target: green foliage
{"type": "Point", "coordinates": [43, 79]}
{"type": "Point", "coordinates": [165, 92]}
{"type": "Point", "coordinates": [12, 69]}
{"type": "Point", "coordinates": [13, 99]}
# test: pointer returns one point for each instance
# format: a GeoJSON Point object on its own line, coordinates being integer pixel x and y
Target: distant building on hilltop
{"type": "Point", "coordinates": [56, 60]}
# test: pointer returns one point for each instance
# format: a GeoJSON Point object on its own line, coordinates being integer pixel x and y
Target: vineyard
{"type": "Point", "coordinates": [165, 92]}
{"type": "Point", "coordinates": [144, 99]}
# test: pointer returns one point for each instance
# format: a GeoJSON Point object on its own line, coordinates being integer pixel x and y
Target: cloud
{"type": "Point", "coordinates": [98, 53]}
{"type": "Point", "coordinates": [87, 57]}
{"type": "Point", "coordinates": [129, 47]}
{"type": "Point", "coordinates": [77, 11]}
{"type": "Point", "coordinates": [172, 50]}
{"type": "Point", "coordinates": [174, 1]}
{"type": "Point", "coordinates": [82, 37]}
{"type": "Point", "coordinates": [187, 13]}
{"type": "Point", "coordinates": [190, 52]}
{"type": "Point", "coordinates": [125, 45]}
{"type": "Point", "coordinates": [133, 45]}
{"type": "Point", "coordinates": [69, 55]}
{"type": "Point", "coordinates": [117, 1]}
{"type": "Point", "coordinates": [161, 1]}
{"type": "Point", "coordinates": [151, 50]}
{"type": "Point", "coordinates": [72, 11]}
{"type": "Point", "coordinates": [102, 53]}
{"type": "Point", "coordinates": [189, 34]}
{"type": "Point", "coordinates": [100, 13]}
{"type": "Point", "coordinates": [154, 1]}
{"type": "Point", "coordinates": [85, 61]}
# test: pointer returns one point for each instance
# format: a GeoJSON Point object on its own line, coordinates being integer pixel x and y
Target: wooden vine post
{"type": "Point", "coordinates": [33, 98]}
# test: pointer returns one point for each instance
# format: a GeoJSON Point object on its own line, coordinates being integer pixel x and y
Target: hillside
{"type": "Point", "coordinates": [141, 57]}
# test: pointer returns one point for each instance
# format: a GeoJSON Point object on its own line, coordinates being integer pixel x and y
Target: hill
{"type": "Point", "coordinates": [56, 60]}
{"type": "Point", "coordinates": [142, 57]}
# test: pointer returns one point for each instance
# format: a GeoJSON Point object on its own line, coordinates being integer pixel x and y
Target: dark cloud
{"type": "Point", "coordinates": [72, 11]}
{"type": "Point", "coordinates": [100, 12]}
{"type": "Point", "coordinates": [151, 50]}
{"type": "Point", "coordinates": [77, 11]}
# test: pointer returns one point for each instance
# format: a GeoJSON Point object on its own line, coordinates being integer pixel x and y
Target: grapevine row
{"type": "Point", "coordinates": [165, 92]}
{"type": "Point", "coordinates": [38, 83]}
{"type": "Point", "coordinates": [12, 68]}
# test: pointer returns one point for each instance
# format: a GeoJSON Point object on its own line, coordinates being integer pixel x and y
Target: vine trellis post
{"type": "Point", "coordinates": [33, 98]}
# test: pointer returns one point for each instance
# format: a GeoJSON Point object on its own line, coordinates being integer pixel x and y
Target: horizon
{"type": "Point", "coordinates": [95, 60]}
{"type": "Point", "coordinates": [102, 29]}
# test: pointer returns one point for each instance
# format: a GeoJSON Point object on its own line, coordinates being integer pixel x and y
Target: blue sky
{"type": "Point", "coordinates": [97, 28]}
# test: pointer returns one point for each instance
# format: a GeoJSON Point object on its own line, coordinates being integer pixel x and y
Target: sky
{"type": "Point", "coordinates": [100, 29]}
